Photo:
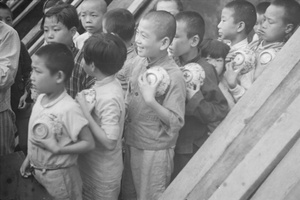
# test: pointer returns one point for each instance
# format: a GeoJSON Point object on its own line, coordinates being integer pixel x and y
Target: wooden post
{"type": "Point", "coordinates": [244, 126]}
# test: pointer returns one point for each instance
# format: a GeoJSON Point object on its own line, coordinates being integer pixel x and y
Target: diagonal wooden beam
{"type": "Point", "coordinates": [272, 92]}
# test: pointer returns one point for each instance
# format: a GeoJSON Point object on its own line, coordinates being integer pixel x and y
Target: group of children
{"type": "Point", "coordinates": [93, 92]}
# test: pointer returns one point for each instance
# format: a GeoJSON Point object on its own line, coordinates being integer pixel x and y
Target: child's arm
{"type": "Point", "coordinates": [24, 170]}
{"type": "Point", "coordinates": [148, 91]}
{"type": "Point", "coordinates": [237, 88]}
{"type": "Point", "coordinates": [84, 144]}
{"type": "Point", "coordinates": [98, 132]}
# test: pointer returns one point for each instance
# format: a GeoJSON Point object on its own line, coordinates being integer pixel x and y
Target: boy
{"type": "Point", "coordinates": [18, 91]}
{"type": "Point", "coordinates": [237, 21]}
{"type": "Point", "coordinates": [58, 130]}
{"type": "Point", "coordinates": [9, 56]}
{"type": "Point", "coordinates": [260, 11]}
{"type": "Point", "coordinates": [121, 22]}
{"type": "Point", "coordinates": [281, 19]}
{"type": "Point", "coordinates": [205, 106]}
{"type": "Point", "coordinates": [153, 123]}
{"type": "Point", "coordinates": [101, 169]}
{"type": "Point", "coordinates": [91, 13]}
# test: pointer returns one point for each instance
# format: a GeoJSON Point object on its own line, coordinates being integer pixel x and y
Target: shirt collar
{"type": "Point", "coordinates": [60, 97]}
{"type": "Point", "coordinates": [104, 81]}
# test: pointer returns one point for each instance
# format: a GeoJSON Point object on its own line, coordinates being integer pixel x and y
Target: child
{"type": "Point", "coordinates": [153, 123]}
{"type": "Point", "coordinates": [121, 22]}
{"type": "Point", "coordinates": [101, 169]}
{"type": "Point", "coordinates": [58, 130]}
{"type": "Point", "coordinates": [215, 52]}
{"type": "Point", "coordinates": [260, 11]}
{"type": "Point", "coordinates": [204, 106]}
{"type": "Point", "coordinates": [237, 21]}
{"type": "Point", "coordinates": [281, 19]}
{"type": "Point", "coordinates": [91, 13]}
{"type": "Point", "coordinates": [9, 56]}
{"type": "Point", "coordinates": [171, 6]}
{"type": "Point", "coordinates": [18, 92]}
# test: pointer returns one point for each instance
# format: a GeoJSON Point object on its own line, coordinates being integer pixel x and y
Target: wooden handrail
{"type": "Point", "coordinates": [26, 11]}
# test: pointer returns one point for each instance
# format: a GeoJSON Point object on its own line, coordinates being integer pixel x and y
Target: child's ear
{"type": "Point", "coordinates": [60, 77]}
{"type": "Point", "coordinates": [194, 41]}
{"type": "Point", "coordinates": [165, 43]}
{"type": "Point", "coordinates": [289, 28]}
{"type": "Point", "coordinates": [73, 30]}
{"type": "Point", "coordinates": [241, 26]}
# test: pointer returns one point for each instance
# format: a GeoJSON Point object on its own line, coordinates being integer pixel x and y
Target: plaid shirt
{"type": "Point", "coordinates": [79, 79]}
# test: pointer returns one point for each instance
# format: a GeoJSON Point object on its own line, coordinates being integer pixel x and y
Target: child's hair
{"type": "Point", "coordinates": [50, 3]}
{"type": "Point", "coordinates": [5, 7]}
{"type": "Point", "coordinates": [178, 3]}
{"type": "Point", "coordinates": [214, 49]}
{"type": "Point", "coordinates": [195, 24]}
{"type": "Point", "coordinates": [165, 24]}
{"type": "Point", "coordinates": [292, 11]}
{"type": "Point", "coordinates": [65, 14]}
{"type": "Point", "coordinates": [262, 7]}
{"type": "Point", "coordinates": [57, 57]}
{"type": "Point", "coordinates": [107, 51]}
{"type": "Point", "coordinates": [121, 22]}
{"type": "Point", "coordinates": [243, 11]}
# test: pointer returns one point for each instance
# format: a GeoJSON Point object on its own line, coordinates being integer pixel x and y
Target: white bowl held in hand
{"type": "Point", "coordinates": [244, 59]}
{"type": "Point", "coordinates": [194, 75]}
{"type": "Point", "coordinates": [90, 97]}
{"type": "Point", "coordinates": [155, 74]}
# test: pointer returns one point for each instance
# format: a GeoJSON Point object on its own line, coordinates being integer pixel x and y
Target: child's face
{"type": "Point", "coordinates": [5, 16]}
{"type": "Point", "coordinates": [273, 26]}
{"type": "Point", "coordinates": [146, 40]}
{"type": "Point", "coordinates": [257, 26]}
{"type": "Point", "coordinates": [218, 63]}
{"type": "Point", "coordinates": [181, 44]}
{"type": "Point", "coordinates": [91, 16]}
{"type": "Point", "coordinates": [41, 78]}
{"type": "Point", "coordinates": [169, 6]}
{"type": "Point", "coordinates": [227, 27]}
{"type": "Point", "coordinates": [57, 32]}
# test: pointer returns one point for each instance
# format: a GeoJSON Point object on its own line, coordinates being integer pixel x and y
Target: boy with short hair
{"type": "Point", "coordinates": [237, 21]}
{"type": "Point", "coordinates": [153, 122]}
{"type": "Point", "coordinates": [121, 22]}
{"type": "Point", "coordinates": [281, 19]}
{"type": "Point", "coordinates": [204, 106]}
{"type": "Point", "coordinates": [91, 13]}
{"type": "Point", "coordinates": [58, 130]}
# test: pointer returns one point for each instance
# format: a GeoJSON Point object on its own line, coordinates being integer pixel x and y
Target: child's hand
{"type": "Point", "coordinates": [49, 144]}
{"type": "Point", "coordinates": [231, 74]}
{"type": "Point", "coordinates": [80, 98]}
{"type": "Point", "coordinates": [191, 92]}
{"type": "Point", "coordinates": [147, 90]}
{"type": "Point", "coordinates": [22, 101]}
{"type": "Point", "coordinates": [24, 170]}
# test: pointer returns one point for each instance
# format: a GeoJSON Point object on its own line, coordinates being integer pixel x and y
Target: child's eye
{"type": "Point", "coordinates": [56, 30]}
{"type": "Point", "coordinates": [94, 15]}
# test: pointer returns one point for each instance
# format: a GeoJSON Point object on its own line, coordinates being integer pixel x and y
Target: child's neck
{"type": "Point", "coordinates": [162, 54]}
{"type": "Point", "coordinates": [100, 76]}
{"type": "Point", "coordinates": [51, 96]}
{"type": "Point", "coordinates": [189, 56]}
{"type": "Point", "coordinates": [238, 39]}
{"type": "Point", "coordinates": [264, 42]}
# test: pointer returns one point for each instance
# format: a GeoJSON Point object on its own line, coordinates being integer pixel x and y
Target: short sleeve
{"type": "Point", "coordinates": [74, 121]}
{"type": "Point", "coordinates": [109, 114]}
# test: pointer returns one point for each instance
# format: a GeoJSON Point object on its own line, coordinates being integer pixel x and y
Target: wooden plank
{"type": "Point", "coordinates": [26, 11]}
{"type": "Point", "coordinates": [36, 45]}
{"type": "Point", "coordinates": [136, 5]}
{"type": "Point", "coordinates": [187, 183]}
{"type": "Point", "coordinates": [284, 182]}
{"type": "Point", "coordinates": [263, 158]}
{"type": "Point", "coordinates": [13, 185]}
{"type": "Point", "coordinates": [16, 4]}
{"type": "Point", "coordinates": [119, 4]}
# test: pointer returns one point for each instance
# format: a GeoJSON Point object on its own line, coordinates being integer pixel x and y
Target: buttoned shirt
{"type": "Point", "coordinates": [145, 130]}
